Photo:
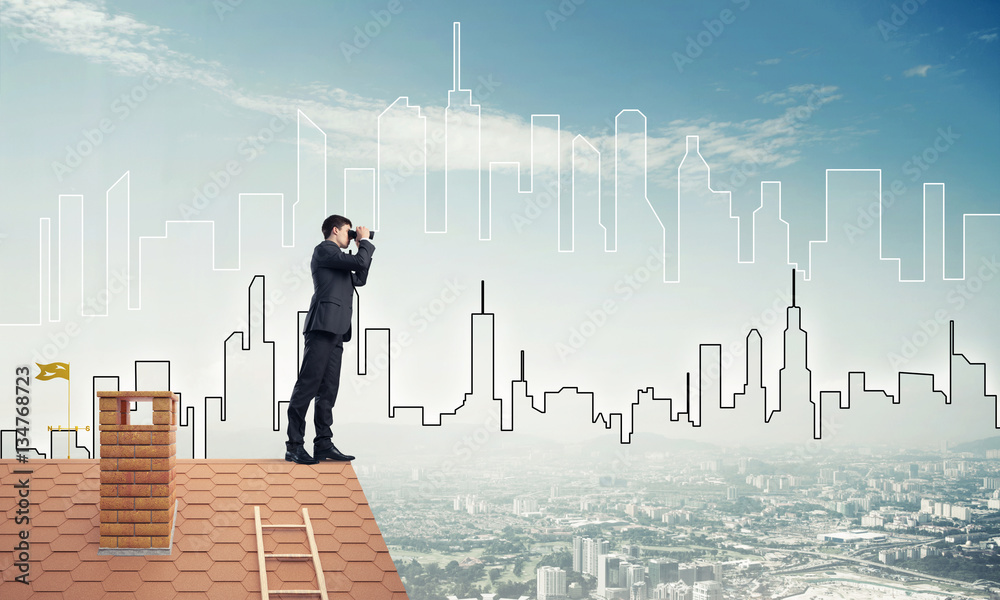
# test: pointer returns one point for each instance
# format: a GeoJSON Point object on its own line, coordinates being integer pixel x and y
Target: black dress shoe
{"type": "Point", "coordinates": [332, 453]}
{"type": "Point", "coordinates": [299, 455]}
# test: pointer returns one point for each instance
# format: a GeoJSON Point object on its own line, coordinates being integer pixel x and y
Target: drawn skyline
{"type": "Point", "coordinates": [592, 242]}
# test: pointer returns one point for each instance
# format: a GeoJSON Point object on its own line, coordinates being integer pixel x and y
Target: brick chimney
{"type": "Point", "coordinates": [138, 465]}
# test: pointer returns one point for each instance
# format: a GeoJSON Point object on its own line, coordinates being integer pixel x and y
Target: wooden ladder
{"type": "Point", "coordinates": [313, 554]}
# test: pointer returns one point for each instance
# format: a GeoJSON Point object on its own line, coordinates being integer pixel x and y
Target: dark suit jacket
{"type": "Point", "coordinates": [335, 275]}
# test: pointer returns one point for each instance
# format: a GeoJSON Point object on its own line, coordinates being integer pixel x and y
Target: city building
{"type": "Point", "coordinates": [551, 583]}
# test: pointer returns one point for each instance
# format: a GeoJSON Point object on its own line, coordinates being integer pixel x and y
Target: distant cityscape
{"type": "Point", "coordinates": [689, 521]}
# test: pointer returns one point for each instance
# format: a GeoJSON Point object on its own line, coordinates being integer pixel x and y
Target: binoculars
{"type": "Point", "coordinates": [351, 234]}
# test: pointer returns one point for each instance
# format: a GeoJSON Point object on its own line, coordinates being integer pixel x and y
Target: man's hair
{"type": "Point", "coordinates": [334, 221]}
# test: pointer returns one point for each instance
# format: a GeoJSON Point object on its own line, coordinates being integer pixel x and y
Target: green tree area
{"type": "Point", "coordinates": [431, 582]}
{"type": "Point", "coordinates": [964, 569]}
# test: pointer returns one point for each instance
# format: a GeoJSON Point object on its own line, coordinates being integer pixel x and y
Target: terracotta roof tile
{"type": "Point", "coordinates": [294, 571]}
{"type": "Point", "coordinates": [199, 472]}
{"type": "Point", "coordinates": [221, 553]}
{"type": "Point", "coordinates": [159, 571]}
{"type": "Point", "coordinates": [307, 485]}
{"type": "Point", "coordinates": [337, 581]}
{"type": "Point", "coordinates": [63, 561]}
{"type": "Point", "coordinates": [79, 526]}
{"type": "Point", "coordinates": [227, 479]}
{"type": "Point", "coordinates": [192, 581]}
{"type": "Point", "coordinates": [227, 590]}
{"type": "Point", "coordinates": [155, 589]}
{"type": "Point", "coordinates": [193, 543]}
{"type": "Point", "coordinates": [350, 535]}
{"type": "Point", "coordinates": [88, 590]}
{"type": "Point", "coordinates": [232, 518]}
{"type": "Point", "coordinates": [227, 571]}
{"type": "Point", "coordinates": [357, 571]}
{"type": "Point", "coordinates": [226, 491]}
{"type": "Point", "coordinates": [122, 581]}
{"type": "Point", "coordinates": [226, 535]}
{"type": "Point", "coordinates": [192, 485]}
{"type": "Point", "coordinates": [356, 552]}
{"type": "Point", "coordinates": [215, 547]}
{"type": "Point", "coordinates": [251, 582]}
{"type": "Point", "coordinates": [52, 581]}
{"type": "Point", "coordinates": [252, 472]}
{"type": "Point", "coordinates": [192, 561]}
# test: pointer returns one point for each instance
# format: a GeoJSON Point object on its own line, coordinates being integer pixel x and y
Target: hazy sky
{"type": "Point", "coordinates": [200, 102]}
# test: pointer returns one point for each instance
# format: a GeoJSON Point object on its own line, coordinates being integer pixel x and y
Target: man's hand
{"type": "Point", "coordinates": [363, 234]}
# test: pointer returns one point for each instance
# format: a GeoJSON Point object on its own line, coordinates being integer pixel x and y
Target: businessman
{"type": "Point", "coordinates": [335, 274]}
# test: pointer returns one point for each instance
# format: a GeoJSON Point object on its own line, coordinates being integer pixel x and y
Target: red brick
{"type": "Point", "coordinates": [133, 516]}
{"type": "Point", "coordinates": [161, 417]}
{"type": "Point", "coordinates": [151, 529]}
{"type": "Point", "coordinates": [108, 418]}
{"type": "Point", "coordinates": [109, 437]}
{"type": "Point", "coordinates": [118, 477]}
{"type": "Point", "coordinates": [109, 464]}
{"type": "Point", "coordinates": [134, 490]}
{"type": "Point", "coordinates": [163, 464]}
{"type": "Point", "coordinates": [164, 437]}
{"type": "Point", "coordinates": [162, 477]}
{"type": "Point", "coordinates": [162, 404]}
{"type": "Point", "coordinates": [109, 490]}
{"type": "Point", "coordinates": [133, 464]}
{"type": "Point", "coordinates": [153, 504]}
{"type": "Point", "coordinates": [160, 542]}
{"type": "Point", "coordinates": [109, 516]}
{"type": "Point", "coordinates": [134, 437]}
{"type": "Point", "coordinates": [155, 451]}
{"type": "Point", "coordinates": [117, 529]}
{"type": "Point", "coordinates": [134, 542]}
{"type": "Point", "coordinates": [161, 490]}
{"type": "Point", "coordinates": [108, 541]}
{"type": "Point", "coordinates": [109, 404]}
{"type": "Point", "coordinates": [161, 516]}
{"type": "Point", "coordinates": [115, 503]}
{"type": "Point", "coordinates": [117, 451]}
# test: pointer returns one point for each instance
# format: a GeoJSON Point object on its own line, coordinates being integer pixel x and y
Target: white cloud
{"type": "Point", "coordinates": [770, 61]}
{"type": "Point", "coordinates": [132, 48]}
{"type": "Point", "coordinates": [989, 37]}
{"type": "Point", "coordinates": [919, 70]}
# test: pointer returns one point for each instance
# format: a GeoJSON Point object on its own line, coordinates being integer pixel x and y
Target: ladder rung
{"type": "Point", "coordinates": [314, 555]}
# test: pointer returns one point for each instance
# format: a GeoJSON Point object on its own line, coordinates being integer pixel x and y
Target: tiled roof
{"type": "Point", "coordinates": [215, 546]}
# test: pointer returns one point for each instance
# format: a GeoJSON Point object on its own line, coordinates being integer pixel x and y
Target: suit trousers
{"type": "Point", "coordinates": [319, 377]}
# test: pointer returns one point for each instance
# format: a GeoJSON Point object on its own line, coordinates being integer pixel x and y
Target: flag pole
{"type": "Point", "coordinates": [67, 415]}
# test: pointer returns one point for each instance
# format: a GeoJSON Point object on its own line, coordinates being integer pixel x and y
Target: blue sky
{"type": "Point", "coordinates": [784, 89]}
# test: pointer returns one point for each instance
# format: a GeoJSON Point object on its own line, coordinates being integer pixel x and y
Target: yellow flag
{"type": "Point", "coordinates": [53, 370]}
